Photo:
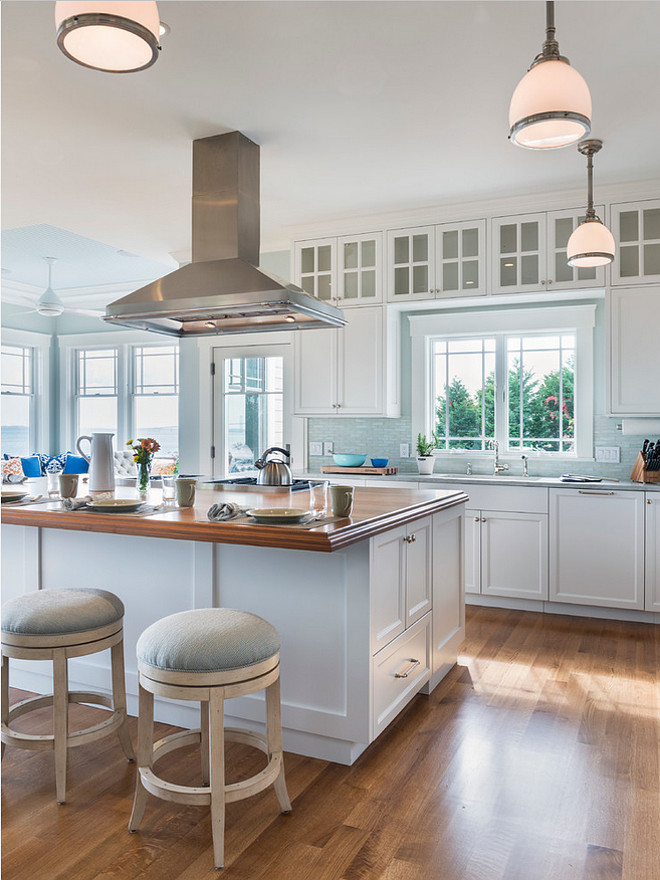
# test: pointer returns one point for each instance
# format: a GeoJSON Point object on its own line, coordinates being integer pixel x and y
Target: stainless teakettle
{"type": "Point", "coordinates": [273, 472]}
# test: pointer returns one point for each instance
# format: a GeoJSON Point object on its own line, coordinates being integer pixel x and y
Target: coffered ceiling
{"type": "Point", "coordinates": [358, 106]}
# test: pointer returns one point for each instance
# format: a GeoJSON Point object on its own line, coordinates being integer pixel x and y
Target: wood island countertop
{"type": "Point", "coordinates": [375, 510]}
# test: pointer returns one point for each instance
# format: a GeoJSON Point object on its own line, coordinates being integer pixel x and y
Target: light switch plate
{"type": "Point", "coordinates": [328, 447]}
{"type": "Point", "coordinates": [316, 448]}
{"type": "Point", "coordinates": [608, 454]}
{"type": "Point", "coordinates": [404, 450]}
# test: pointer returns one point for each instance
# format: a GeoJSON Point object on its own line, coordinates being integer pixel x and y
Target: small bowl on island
{"type": "Point", "coordinates": [349, 459]}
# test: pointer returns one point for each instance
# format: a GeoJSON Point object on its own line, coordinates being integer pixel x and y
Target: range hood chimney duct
{"type": "Point", "coordinates": [222, 291]}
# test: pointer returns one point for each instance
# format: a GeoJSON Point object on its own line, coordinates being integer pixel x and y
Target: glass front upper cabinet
{"type": "Point", "coordinates": [460, 252]}
{"type": "Point", "coordinates": [636, 229]}
{"type": "Point", "coordinates": [315, 267]}
{"type": "Point", "coordinates": [560, 275]}
{"type": "Point", "coordinates": [360, 269]}
{"type": "Point", "coordinates": [519, 253]}
{"type": "Point", "coordinates": [411, 263]}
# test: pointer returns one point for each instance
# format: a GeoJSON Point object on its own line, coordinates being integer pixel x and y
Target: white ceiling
{"type": "Point", "coordinates": [359, 107]}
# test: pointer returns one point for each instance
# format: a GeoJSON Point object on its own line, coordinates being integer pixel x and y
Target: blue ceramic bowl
{"type": "Point", "coordinates": [379, 462]}
{"type": "Point", "coordinates": [349, 459]}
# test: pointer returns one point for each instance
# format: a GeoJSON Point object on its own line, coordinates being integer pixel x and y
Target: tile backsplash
{"type": "Point", "coordinates": [380, 438]}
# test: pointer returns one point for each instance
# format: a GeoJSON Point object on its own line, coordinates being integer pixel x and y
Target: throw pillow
{"type": "Point", "coordinates": [31, 466]}
{"type": "Point", "coordinates": [51, 464]}
{"type": "Point", "coordinates": [75, 464]}
{"type": "Point", "coordinates": [12, 470]}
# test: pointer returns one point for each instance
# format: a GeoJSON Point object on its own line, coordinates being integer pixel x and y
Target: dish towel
{"type": "Point", "coordinates": [222, 512]}
{"type": "Point", "coordinates": [75, 503]}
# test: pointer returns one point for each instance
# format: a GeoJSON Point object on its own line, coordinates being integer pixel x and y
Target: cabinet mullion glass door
{"type": "Point", "coordinates": [360, 269]}
{"type": "Point", "coordinates": [519, 253]}
{"type": "Point", "coordinates": [411, 261]}
{"type": "Point", "coordinates": [636, 229]}
{"type": "Point", "coordinates": [315, 267]}
{"type": "Point", "coordinates": [561, 225]}
{"type": "Point", "coordinates": [460, 252]}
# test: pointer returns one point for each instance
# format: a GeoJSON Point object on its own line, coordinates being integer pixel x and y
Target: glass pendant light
{"type": "Point", "coordinates": [551, 106]}
{"type": "Point", "coordinates": [592, 243]}
{"type": "Point", "coordinates": [113, 36]}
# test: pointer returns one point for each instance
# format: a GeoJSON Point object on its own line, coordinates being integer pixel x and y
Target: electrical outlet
{"type": "Point", "coordinates": [404, 450]}
{"type": "Point", "coordinates": [328, 447]}
{"type": "Point", "coordinates": [316, 448]}
{"type": "Point", "coordinates": [608, 454]}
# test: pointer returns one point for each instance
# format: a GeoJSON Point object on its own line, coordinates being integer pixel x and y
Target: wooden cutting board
{"type": "Point", "coordinates": [335, 469]}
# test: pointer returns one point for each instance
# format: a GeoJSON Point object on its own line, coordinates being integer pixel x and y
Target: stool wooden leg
{"type": "Point", "coordinates": [5, 695]}
{"type": "Point", "coordinates": [274, 735]}
{"type": "Point", "coordinates": [145, 755]}
{"type": "Point", "coordinates": [119, 697]}
{"type": "Point", "coordinates": [60, 720]}
{"type": "Point", "coordinates": [217, 773]}
{"type": "Point", "coordinates": [204, 740]}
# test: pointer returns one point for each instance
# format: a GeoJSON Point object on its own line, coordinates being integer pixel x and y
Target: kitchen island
{"type": "Point", "coordinates": [370, 608]}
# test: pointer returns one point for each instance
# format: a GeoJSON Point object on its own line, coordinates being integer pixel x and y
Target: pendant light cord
{"type": "Point", "coordinates": [550, 49]}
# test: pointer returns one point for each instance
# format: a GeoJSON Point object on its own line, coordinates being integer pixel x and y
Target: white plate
{"type": "Point", "coordinates": [15, 495]}
{"type": "Point", "coordinates": [279, 515]}
{"type": "Point", "coordinates": [115, 505]}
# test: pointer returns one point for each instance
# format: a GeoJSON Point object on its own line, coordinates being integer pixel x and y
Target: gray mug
{"type": "Point", "coordinates": [68, 485]}
{"type": "Point", "coordinates": [341, 500]}
{"type": "Point", "coordinates": [185, 491]}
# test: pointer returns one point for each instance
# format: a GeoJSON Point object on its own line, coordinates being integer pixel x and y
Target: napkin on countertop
{"type": "Point", "coordinates": [222, 512]}
{"type": "Point", "coordinates": [75, 503]}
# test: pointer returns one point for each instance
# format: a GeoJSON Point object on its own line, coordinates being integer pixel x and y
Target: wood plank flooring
{"type": "Point", "coordinates": [538, 759]}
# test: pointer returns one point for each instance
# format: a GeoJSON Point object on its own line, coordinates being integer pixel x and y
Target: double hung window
{"type": "Point", "coordinates": [156, 396]}
{"type": "Point", "coordinates": [18, 382]}
{"type": "Point", "coordinates": [97, 390]}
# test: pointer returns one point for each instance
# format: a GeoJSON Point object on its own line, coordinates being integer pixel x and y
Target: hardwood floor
{"type": "Point", "coordinates": [538, 759]}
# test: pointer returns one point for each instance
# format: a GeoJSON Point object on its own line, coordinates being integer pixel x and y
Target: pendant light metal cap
{"type": "Point", "coordinates": [115, 36]}
{"type": "Point", "coordinates": [590, 245]}
{"type": "Point", "coordinates": [550, 107]}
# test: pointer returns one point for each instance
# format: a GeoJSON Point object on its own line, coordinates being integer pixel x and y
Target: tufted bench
{"type": "Point", "coordinates": [56, 625]}
{"type": "Point", "coordinates": [209, 655]}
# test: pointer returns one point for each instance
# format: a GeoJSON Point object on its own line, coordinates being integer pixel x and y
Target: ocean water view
{"type": "Point", "coordinates": [15, 441]}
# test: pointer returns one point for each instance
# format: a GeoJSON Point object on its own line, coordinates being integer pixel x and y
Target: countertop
{"type": "Point", "coordinates": [375, 510]}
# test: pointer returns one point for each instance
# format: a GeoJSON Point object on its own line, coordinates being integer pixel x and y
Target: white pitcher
{"type": "Point", "coordinates": [101, 462]}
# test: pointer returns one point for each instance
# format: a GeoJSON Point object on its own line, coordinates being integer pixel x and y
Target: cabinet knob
{"type": "Point", "coordinates": [483, 519]}
{"type": "Point", "coordinates": [649, 501]}
{"type": "Point", "coordinates": [476, 519]}
{"type": "Point", "coordinates": [544, 282]}
{"type": "Point", "coordinates": [413, 538]}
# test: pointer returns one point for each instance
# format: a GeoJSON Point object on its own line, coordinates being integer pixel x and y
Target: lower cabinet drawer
{"type": "Point", "coordinates": [399, 671]}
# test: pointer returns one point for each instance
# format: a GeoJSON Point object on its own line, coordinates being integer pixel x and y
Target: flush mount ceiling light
{"type": "Point", "coordinates": [113, 36]}
{"type": "Point", "coordinates": [592, 243]}
{"type": "Point", "coordinates": [551, 106]}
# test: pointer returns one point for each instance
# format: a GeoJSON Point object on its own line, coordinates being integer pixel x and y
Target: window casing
{"type": "Point", "coordinates": [467, 370]}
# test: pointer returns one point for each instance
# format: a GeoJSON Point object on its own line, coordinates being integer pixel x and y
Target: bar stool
{"type": "Point", "coordinates": [209, 655]}
{"type": "Point", "coordinates": [56, 625]}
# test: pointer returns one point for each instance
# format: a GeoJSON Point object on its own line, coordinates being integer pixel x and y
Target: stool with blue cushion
{"type": "Point", "coordinates": [57, 625]}
{"type": "Point", "coordinates": [209, 655]}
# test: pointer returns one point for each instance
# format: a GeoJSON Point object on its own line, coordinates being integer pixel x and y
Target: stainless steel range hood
{"type": "Point", "coordinates": [222, 291]}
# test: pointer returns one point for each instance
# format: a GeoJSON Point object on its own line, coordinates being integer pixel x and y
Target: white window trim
{"type": "Point", "coordinates": [40, 414]}
{"type": "Point", "coordinates": [581, 319]}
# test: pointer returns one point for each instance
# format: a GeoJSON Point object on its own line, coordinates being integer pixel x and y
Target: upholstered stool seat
{"type": "Point", "coordinates": [209, 655]}
{"type": "Point", "coordinates": [57, 625]}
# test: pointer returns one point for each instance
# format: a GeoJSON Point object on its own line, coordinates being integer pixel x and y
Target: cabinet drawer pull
{"type": "Point", "coordinates": [413, 665]}
{"type": "Point", "coordinates": [585, 492]}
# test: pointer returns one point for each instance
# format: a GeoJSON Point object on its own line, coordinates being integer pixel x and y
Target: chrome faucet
{"type": "Point", "coordinates": [525, 460]}
{"type": "Point", "coordinates": [497, 467]}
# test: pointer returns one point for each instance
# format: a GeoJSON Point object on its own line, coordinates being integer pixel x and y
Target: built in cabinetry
{"type": "Point", "coordinates": [636, 228]}
{"type": "Point", "coordinates": [346, 270]}
{"type": "Point", "coordinates": [634, 345]}
{"type": "Point", "coordinates": [652, 567]}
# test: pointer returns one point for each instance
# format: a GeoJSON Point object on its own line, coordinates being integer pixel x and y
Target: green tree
{"type": "Point", "coordinates": [460, 412]}
{"type": "Point", "coordinates": [548, 413]}
{"type": "Point", "coordinates": [518, 376]}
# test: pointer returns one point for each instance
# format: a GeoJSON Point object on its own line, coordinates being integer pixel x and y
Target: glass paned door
{"type": "Point", "coordinates": [315, 267]}
{"type": "Point", "coordinates": [411, 262]}
{"type": "Point", "coordinates": [519, 253]}
{"type": "Point", "coordinates": [460, 250]}
{"type": "Point", "coordinates": [561, 225]}
{"type": "Point", "coordinates": [636, 228]}
{"type": "Point", "coordinates": [360, 268]}
{"type": "Point", "coordinates": [251, 400]}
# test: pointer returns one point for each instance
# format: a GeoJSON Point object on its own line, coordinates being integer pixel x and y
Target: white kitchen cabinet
{"type": "Point", "coordinates": [634, 350]}
{"type": "Point", "coordinates": [529, 253]}
{"type": "Point", "coordinates": [597, 547]}
{"type": "Point", "coordinates": [652, 567]}
{"type": "Point", "coordinates": [447, 260]}
{"type": "Point", "coordinates": [636, 230]}
{"type": "Point", "coordinates": [448, 591]}
{"type": "Point", "coordinates": [351, 370]}
{"type": "Point", "coordinates": [401, 580]}
{"type": "Point", "coordinates": [346, 271]}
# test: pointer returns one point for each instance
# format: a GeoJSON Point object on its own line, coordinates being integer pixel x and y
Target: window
{"type": "Point", "coordinates": [522, 377]}
{"type": "Point", "coordinates": [17, 399]}
{"type": "Point", "coordinates": [97, 390]}
{"type": "Point", "coordinates": [535, 393]}
{"type": "Point", "coordinates": [253, 409]}
{"type": "Point", "coordinates": [156, 396]}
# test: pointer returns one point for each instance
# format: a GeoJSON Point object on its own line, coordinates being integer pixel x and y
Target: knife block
{"type": "Point", "coordinates": [640, 474]}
